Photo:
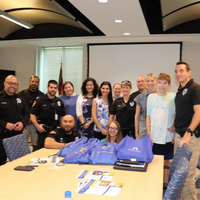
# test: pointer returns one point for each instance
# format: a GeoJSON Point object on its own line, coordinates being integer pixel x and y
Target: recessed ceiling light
{"type": "Point", "coordinates": [118, 21]}
{"type": "Point", "coordinates": [126, 33]}
{"type": "Point", "coordinates": [102, 1]}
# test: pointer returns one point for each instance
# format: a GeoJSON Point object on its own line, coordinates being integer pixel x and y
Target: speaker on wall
{"type": "Point", "coordinates": [3, 75]}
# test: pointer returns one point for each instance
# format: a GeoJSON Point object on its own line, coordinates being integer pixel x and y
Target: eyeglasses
{"type": "Point", "coordinates": [113, 128]}
{"type": "Point", "coordinates": [126, 83]}
{"type": "Point", "coordinates": [10, 83]}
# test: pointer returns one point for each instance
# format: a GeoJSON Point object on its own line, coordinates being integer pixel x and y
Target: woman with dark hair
{"type": "Point", "coordinates": [89, 90]}
{"type": "Point", "coordinates": [114, 133]}
{"type": "Point", "coordinates": [69, 98]}
{"type": "Point", "coordinates": [100, 110]}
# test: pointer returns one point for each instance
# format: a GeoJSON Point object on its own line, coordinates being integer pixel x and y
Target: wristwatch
{"type": "Point", "coordinates": [189, 131]}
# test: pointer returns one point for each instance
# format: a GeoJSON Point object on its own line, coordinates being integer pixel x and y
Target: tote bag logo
{"type": "Point", "coordinates": [105, 147]}
{"type": "Point", "coordinates": [135, 149]}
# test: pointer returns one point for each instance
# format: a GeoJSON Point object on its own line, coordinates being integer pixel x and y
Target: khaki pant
{"type": "Point", "coordinates": [189, 190]}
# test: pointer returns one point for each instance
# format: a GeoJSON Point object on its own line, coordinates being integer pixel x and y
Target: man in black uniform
{"type": "Point", "coordinates": [186, 123]}
{"type": "Point", "coordinates": [30, 95]}
{"type": "Point", "coordinates": [14, 113]}
{"type": "Point", "coordinates": [49, 108]}
{"type": "Point", "coordinates": [123, 109]}
{"type": "Point", "coordinates": [64, 135]}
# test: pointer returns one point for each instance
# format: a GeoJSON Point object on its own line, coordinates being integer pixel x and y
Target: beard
{"type": "Point", "coordinates": [33, 87]}
{"type": "Point", "coordinates": [68, 131]}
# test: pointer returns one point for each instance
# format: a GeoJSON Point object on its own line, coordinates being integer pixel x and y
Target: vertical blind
{"type": "Point", "coordinates": [72, 59]}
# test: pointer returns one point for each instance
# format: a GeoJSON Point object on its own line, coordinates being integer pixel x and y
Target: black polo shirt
{"type": "Point", "coordinates": [125, 112]}
{"type": "Point", "coordinates": [186, 98]}
{"type": "Point", "coordinates": [13, 109]}
{"type": "Point", "coordinates": [48, 110]}
{"type": "Point", "coordinates": [60, 135]}
{"type": "Point", "coordinates": [30, 96]}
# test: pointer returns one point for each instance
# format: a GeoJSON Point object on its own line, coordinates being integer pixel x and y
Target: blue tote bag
{"type": "Point", "coordinates": [140, 150]}
{"type": "Point", "coordinates": [104, 153]}
{"type": "Point", "coordinates": [70, 147]}
{"type": "Point", "coordinates": [81, 153]}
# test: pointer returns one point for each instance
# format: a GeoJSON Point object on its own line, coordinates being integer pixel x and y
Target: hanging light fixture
{"type": "Point", "coordinates": [15, 20]}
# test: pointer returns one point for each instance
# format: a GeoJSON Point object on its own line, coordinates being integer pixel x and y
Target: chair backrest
{"type": "Point", "coordinates": [185, 151]}
{"type": "Point", "coordinates": [16, 146]}
{"type": "Point", "coordinates": [176, 183]}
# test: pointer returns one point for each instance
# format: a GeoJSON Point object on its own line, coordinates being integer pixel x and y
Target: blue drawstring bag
{"type": "Point", "coordinates": [81, 154]}
{"type": "Point", "coordinates": [141, 150]}
{"type": "Point", "coordinates": [104, 153]}
{"type": "Point", "coordinates": [70, 147]}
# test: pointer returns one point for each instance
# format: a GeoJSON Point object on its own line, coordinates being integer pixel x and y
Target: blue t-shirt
{"type": "Point", "coordinates": [70, 106]}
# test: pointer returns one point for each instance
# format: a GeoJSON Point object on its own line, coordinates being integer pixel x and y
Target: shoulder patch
{"type": "Point", "coordinates": [52, 132]}
{"type": "Point", "coordinates": [34, 104]}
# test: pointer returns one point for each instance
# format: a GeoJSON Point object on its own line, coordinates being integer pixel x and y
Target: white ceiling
{"type": "Point", "coordinates": [103, 16]}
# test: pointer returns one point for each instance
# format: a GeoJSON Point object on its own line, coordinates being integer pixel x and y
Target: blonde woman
{"type": "Point", "coordinates": [141, 106]}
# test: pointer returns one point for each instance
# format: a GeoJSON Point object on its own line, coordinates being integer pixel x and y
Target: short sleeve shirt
{"type": "Point", "coordinates": [161, 110]}
{"type": "Point", "coordinates": [59, 135]}
{"type": "Point", "coordinates": [125, 112]}
{"type": "Point", "coordinates": [186, 98]}
{"type": "Point", "coordinates": [141, 100]}
{"type": "Point", "coordinates": [48, 110]}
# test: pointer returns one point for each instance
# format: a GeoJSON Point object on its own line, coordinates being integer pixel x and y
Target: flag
{"type": "Point", "coordinates": [60, 79]}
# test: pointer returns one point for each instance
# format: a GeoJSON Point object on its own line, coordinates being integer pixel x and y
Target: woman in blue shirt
{"type": "Point", "coordinates": [69, 98]}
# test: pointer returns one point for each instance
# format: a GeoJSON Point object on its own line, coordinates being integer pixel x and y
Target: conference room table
{"type": "Point", "coordinates": [44, 183]}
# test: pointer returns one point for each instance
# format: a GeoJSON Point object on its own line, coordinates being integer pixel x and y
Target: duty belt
{"type": "Point", "coordinates": [181, 131]}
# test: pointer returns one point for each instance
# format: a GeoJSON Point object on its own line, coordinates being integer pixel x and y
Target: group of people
{"type": "Point", "coordinates": [169, 119]}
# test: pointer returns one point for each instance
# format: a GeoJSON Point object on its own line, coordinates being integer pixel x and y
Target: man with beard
{"type": "Point", "coordinates": [59, 137]}
{"type": "Point", "coordinates": [30, 95]}
{"type": "Point", "coordinates": [14, 113]}
{"type": "Point", "coordinates": [49, 108]}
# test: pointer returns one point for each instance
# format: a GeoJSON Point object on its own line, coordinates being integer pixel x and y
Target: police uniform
{"type": "Point", "coordinates": [13, 109]}
{"type": "Point", "coordinates": [30, 97]}
{"type": "Point", "coordinates": [60, 135]}
{"type": "Point", "coordinates": [49, 112]}
{"type": "Point", "coordinates": [125, 113]}
{"type": "Point", "coordinates": [186, 98]}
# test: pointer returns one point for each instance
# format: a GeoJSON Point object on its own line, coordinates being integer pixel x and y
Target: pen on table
{"type": "Point", "coordinates": [32, 165]}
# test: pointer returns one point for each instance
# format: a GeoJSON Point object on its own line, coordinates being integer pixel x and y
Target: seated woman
{"type": "Point", "coordinates": [114, 133]}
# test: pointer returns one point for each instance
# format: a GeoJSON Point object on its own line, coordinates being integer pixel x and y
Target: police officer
{"type": "Point", "coordinates": [123, 109]}
{"type": "Point", "coordinates": [49, 108]}
{"type": "Point", "coordinates": [187, 119]}
{"type": "Point", "coordinates": [30, 95]}
{"type": "Point", "coordinates": [14, 113]}
{"type": "Point", "coordinates": [64, 135]}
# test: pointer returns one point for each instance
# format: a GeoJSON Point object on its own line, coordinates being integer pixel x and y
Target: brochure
{"type": "Point", "coordinates": [42, 161]}
{"type": "Point", "coordinates": [96, 175]}
{"type": "Point", "coordinates": [99, 187]}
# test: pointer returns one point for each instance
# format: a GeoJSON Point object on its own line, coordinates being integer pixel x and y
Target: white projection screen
{"type": "Point", "coordinates": [118, 62]}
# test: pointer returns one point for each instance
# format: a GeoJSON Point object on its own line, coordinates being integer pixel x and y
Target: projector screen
{"type": "Point", "coordinates": [118, 62]}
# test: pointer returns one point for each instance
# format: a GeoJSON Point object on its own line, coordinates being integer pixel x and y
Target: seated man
{"type": "Point", "coordinates": [59, 137]}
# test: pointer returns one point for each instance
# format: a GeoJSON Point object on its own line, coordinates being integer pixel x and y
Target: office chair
{"type": "Point", "coordinates": [185, 151]}
{"type": "Point", "coordinates": [177, 180]}
{"type": "Point", "coordinates": [16, 146]}
{"type": "Point", "coordinates": [197, 180]}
